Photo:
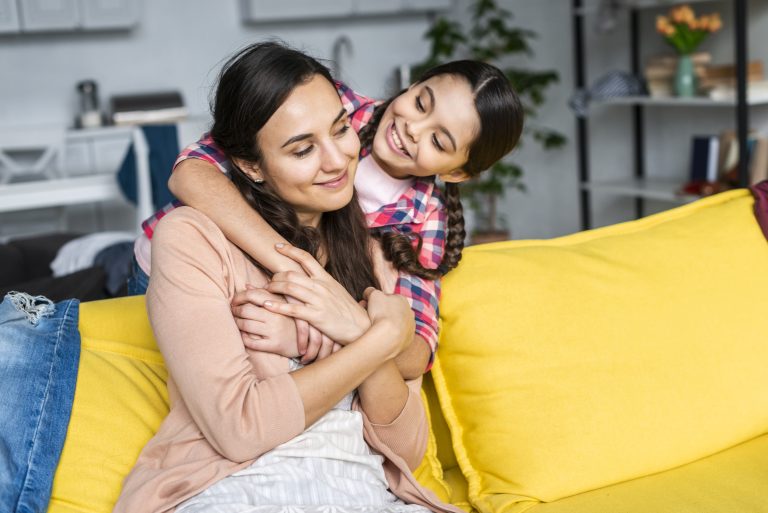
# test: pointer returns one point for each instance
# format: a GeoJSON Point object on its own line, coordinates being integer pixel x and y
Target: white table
{"type": "Point", "coordinates": [58, 187]}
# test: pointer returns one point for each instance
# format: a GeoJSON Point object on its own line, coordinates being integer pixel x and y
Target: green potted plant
{"type": "Point", "coordinates": [489, 37]}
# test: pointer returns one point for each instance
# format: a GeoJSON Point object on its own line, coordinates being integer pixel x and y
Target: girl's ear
{"type": "Point", "coordinates": [251, 169]}
{"type": "Point", "coordinates": [455, 176]}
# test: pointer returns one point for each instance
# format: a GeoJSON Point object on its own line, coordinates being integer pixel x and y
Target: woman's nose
{"type": "Point", "coordinates": [334, 158]}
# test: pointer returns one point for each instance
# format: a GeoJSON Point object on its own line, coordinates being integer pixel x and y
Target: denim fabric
{"type": "Point", "coordinates": [139, 281]}
{"type": "Point", "coordinates": [39, 358]}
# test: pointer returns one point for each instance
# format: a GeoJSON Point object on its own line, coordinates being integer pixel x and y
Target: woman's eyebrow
{"type": "Point", "coordinates": [301, 137]}
{"type": "Point", "coordinates": [431, 94]}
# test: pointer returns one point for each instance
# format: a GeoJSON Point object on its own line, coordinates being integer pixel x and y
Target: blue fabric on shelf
{"type": "Point", "coordinates": [163, 143]}
{"type": "Point", "coordinates": [39, 359]}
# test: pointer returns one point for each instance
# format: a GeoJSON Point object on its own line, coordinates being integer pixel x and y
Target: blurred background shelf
{"type": "Point", "coordinates": [658, 189]}
{"type": "Point", "coordinates": [676, 102]}
{"type": "Point", "coordinates": [637, 185]}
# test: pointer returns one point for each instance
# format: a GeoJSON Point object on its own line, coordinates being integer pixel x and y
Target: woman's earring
{"type": "Point", "coordinates": [258, 180]}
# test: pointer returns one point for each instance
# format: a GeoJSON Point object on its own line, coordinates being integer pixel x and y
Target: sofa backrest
{"type": "Point", "coordinates": [574, 363]}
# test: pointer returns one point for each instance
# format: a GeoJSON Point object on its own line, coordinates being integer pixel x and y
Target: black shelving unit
{"type": "Point", "coordinates": [639, 105]}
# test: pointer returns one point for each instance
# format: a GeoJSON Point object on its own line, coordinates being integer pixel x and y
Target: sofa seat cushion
{"type": "Point", "coordinates": [732, 480]}
{"type": "Point", "coordinates": [575, 363]}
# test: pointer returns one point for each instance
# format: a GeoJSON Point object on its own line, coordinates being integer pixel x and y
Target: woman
{"type": "Point", "coordinates": [255, 431]}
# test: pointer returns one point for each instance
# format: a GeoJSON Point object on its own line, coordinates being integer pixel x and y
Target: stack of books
{"type": "Point", "coordinates": [660, 73]}
{"type": "Point", "coordinates": [715, 161]}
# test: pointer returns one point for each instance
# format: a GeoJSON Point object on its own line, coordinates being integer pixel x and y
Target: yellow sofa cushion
{"type": "Point", "coordinates": [120, 401]}
{"type": "Point", "coordinates": [732, 480]}
{"type": "Point", "coordinates": [575, 363]}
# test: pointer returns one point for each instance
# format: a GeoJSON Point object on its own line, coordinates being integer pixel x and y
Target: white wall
{"type": "Point", "coordinates": [549, 207]}
{"type": "Point", "coordinates": [180, 45]}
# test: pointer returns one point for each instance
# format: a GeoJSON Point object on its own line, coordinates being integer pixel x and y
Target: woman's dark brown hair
{"type": "Point", "coordinates": [252, 85]}
{"type": "Point", "coordinates": [501, 124]}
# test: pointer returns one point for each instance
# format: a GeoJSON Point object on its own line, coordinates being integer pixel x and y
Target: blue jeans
{"type": "Point", "coordinates": [138, 281]}
{"type": "Point", "coordinates": [39, 358]}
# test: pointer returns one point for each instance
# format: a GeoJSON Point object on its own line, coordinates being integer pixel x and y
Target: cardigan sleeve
{"type": "Point", "coordinates": [404, 437]}
{"type": "Point", "coordinates": [188, 302]}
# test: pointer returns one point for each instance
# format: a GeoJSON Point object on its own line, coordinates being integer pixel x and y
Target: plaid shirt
{"type": "Point", "coordinates": [419, 212]}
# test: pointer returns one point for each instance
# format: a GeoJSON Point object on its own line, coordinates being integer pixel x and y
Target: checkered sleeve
{"type": "Point", "coordinates": [359, 107]}
{"type": "Point", "coordinates": [424, 295]}
{"type": "Point", "coordinates": [205, 149]}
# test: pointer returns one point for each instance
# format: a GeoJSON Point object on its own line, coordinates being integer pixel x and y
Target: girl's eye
{"type": "Point", "coordinates": [437, 144]}
{"type": "Point", "coordinates": [419, 105]}
{"type": "Point", "coordinates": [303, 153]}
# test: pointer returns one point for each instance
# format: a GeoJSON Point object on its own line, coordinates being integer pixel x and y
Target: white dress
{"type": "Point", "coordinates": [329, 468]}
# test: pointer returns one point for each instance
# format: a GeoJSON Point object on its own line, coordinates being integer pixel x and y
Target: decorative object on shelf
{"type": "Point", "coordinates": [490, 37]}
{"type": "Point", "coordinates": [614, 84]}
{"type": "Point", "coordinates": [660, 73]}
{"type": "Point", "coordinates": [685, 79]}
{"type": "Point", "coordinates": [685, 32]}
{"type": "Point", "coordinates": [90, 115]}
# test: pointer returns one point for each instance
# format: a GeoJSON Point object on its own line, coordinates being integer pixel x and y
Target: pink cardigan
{"type": "Point", "coordinates": [229, 405]}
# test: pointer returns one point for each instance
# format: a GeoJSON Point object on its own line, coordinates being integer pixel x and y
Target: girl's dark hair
{"type": "Point", "coordinates": [252, 85]}
{"type": "Point", "coordinates": [501, 124]}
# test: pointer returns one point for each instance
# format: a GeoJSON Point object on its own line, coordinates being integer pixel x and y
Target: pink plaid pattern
{"type": "Point", "coordinates": [418, 213]}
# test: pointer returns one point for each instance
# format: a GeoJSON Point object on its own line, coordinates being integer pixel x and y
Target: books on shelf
{"type": "Point", "coordinates": [725, 75]}
{"type": "Point", "coordinates": [660, 73]}
{"type": "Point", "coordinates": [148, 108]}
{"type": "Point", "coordinates": [757, 92]}
{"type": "Point", "coordinates": [730, 156]}
{"type": "Point", "coordinates": [705, 152]}
{"type": "Point", "coordinates": [716, 81]}
{"type": "Point", "coordinates": [714, 162]}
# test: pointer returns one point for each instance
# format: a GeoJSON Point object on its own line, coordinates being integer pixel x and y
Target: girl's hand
{"type": "Point", "coordinates": [262, 330]}
{"type": "Point", "coordinates": [394, 311]}
{"type": "Point", "coordinates": [311, 343]}
{"type": "Point", "coordinates": [327, 305]}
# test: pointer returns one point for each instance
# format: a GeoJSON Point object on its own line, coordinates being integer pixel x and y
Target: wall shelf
{"type": "Point", "coordinates": [676, 102]}
{"type": "Point", "coordinates": [658, 189]}
{"type": "Point", "coordinates": [638, 185]}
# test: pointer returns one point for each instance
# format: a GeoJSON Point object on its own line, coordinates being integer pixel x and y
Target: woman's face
{"type": "Point", "coordinates": [428, 129]}
{"type": "Point", "coordinates": [309, 151]}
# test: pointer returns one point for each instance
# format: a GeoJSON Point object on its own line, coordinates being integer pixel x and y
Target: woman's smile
{"type": "Point", "coordinates": [335, 183]}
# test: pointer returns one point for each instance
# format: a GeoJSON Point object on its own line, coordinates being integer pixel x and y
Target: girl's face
{"type": "Point", "coordinates": [428, 129]}
{"type": "Point", "coordinates": [309, 151]}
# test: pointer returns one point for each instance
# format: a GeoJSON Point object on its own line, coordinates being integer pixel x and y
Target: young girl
{"type": "Point", "coordinates": [455, 122]}
{"type": "Point", "coordinates": [250, 431]}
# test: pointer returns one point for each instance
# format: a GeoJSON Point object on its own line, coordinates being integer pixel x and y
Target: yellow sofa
{"type": "Point", "coordinates": [623, 369]}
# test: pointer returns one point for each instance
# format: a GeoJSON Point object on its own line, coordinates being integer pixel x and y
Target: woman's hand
{"type": "Point", "coordinates": [326, 304]}
{"type": "Point", "coordinates": [312, 344]}
{"type": "Point", "coordinates": [393, 311]}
